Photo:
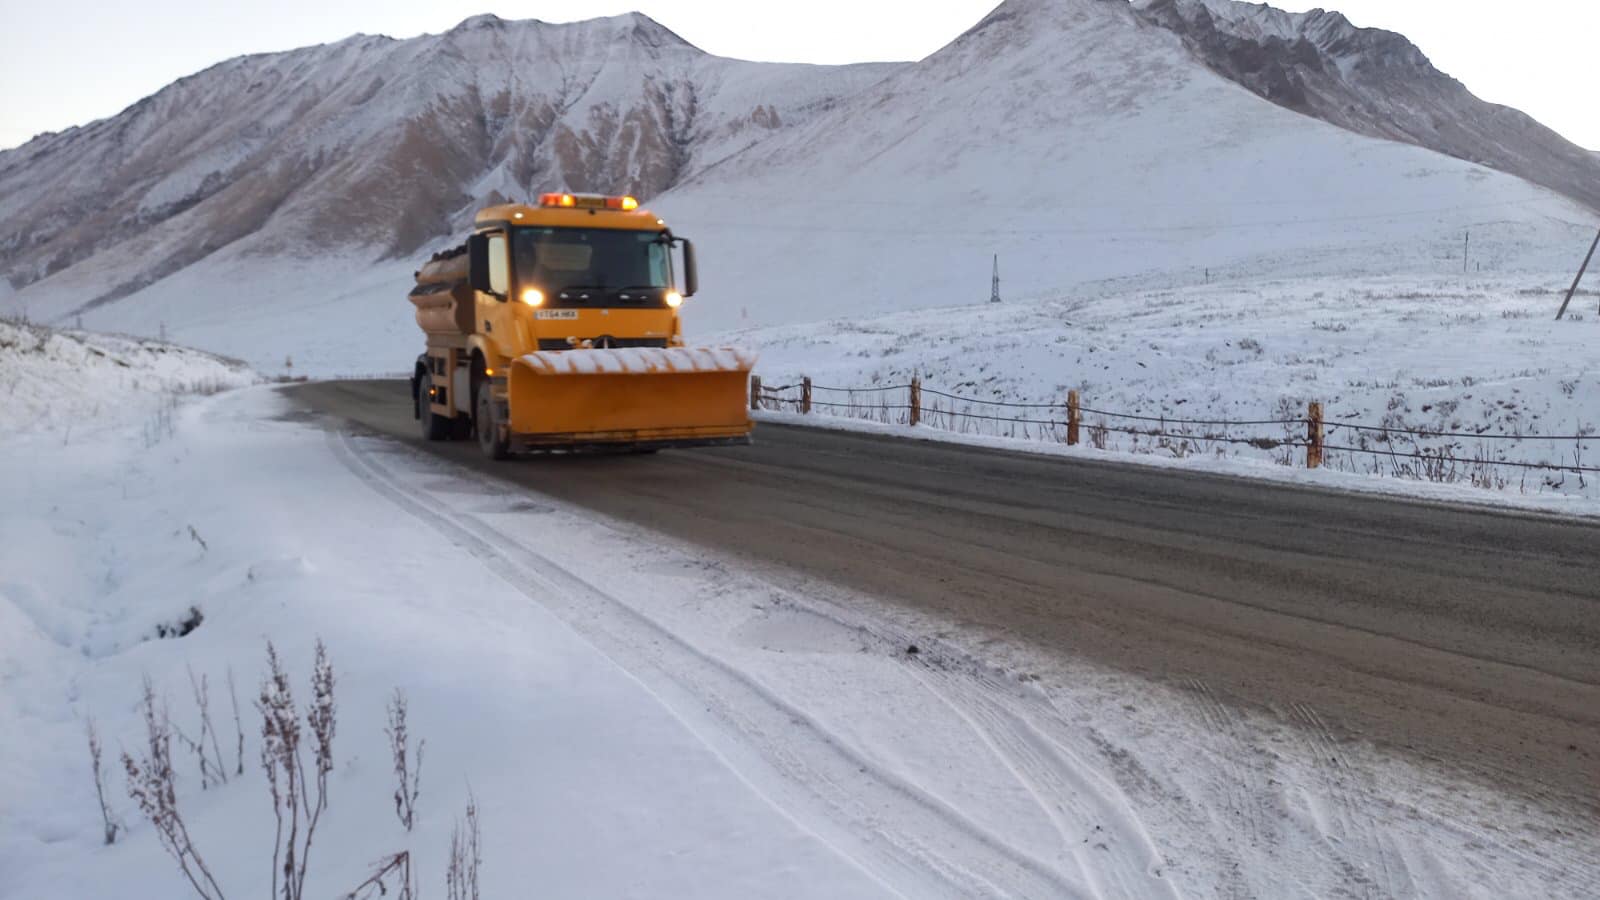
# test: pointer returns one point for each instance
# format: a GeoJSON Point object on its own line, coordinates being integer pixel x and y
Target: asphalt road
{"type": "Point", "coordinates": [1468, 637]}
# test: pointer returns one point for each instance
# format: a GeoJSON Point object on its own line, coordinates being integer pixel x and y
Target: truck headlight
{"type": "Point", "coordinates": [674, 299]}
{"type": "Point", "coordinates": [533, 297]}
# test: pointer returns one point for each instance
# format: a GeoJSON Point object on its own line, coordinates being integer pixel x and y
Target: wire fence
{"type": "Point", "coordinates": [1481, 458]}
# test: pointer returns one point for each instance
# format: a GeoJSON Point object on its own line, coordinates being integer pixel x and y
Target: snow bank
{"type": "Point", "coordinates": [587, 785]}
{"type": "Point", "coordinates": [58, 379]}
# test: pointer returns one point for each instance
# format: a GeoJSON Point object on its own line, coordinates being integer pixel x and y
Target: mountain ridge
{"type": "Point", "coordinates": [1078, 138]}
{"type": "Point", "coordinates": [1366, 80]}
{"type": "Point", "coordinates": [487, 108]}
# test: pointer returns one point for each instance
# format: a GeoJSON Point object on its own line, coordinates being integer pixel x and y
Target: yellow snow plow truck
{"type": "Point", "coordinates": [556, 326]}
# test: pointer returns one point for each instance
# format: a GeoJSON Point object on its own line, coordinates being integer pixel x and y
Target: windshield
{"type": "Point", "coordinates": [555, 259]}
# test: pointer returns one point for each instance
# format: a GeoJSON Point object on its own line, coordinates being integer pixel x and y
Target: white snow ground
{"type": "Point", "coordinates": [1479, 355]}
{"type": "Point", "coordinates": [683, 726]}
{"type": "Point", "coordinates": [83, 382]}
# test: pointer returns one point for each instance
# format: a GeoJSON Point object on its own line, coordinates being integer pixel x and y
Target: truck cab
{"type": "Point", "coordinates": [576, 271]}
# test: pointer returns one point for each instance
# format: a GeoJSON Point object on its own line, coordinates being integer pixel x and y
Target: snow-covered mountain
{"type": "Point", "coordinates": [271, 205]}
{"type": "Point", "coordinates": [1372, 82]}
{"type": "Point", "coordinates": [377, 143]}
{"type": "Point", "coordinates": [1080, 143]}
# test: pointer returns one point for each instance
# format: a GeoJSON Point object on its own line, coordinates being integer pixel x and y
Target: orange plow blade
{"type": "Point", "coordinates": [634, 395]}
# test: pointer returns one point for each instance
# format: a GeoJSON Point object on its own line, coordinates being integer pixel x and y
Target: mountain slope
{"type": "Point", "coordinates": [1075, 139]}
{"type": "Point", "coordinates": [1078, 143]}
{"type": "Point", "coordinates": [1372, 82]}
{"type": "Point", "coordinates": [372, 142]}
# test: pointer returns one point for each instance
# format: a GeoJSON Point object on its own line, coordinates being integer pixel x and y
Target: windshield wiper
{"type": "Point", "coordinates": [585, 287]}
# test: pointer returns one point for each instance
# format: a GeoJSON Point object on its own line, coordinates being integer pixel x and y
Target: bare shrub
{"type": "Point", "coordinates": [1099, 434]}
{"type": "Point", "coordinates": [107, 817]}
{"type": "Point", "coordinates": [152, 783]}
{"type": "Point", "coordinates": [283, 761]}
{"type": "Point", "coordinates": [407, 766]}
{"type": "Point", "coordinates": [461, 879]}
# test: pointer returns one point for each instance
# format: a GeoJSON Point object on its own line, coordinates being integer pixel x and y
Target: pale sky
{"type": "Point", "coordinates": [70, 64]}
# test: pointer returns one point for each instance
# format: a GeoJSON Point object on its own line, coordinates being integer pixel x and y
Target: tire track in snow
{"type": "Point", "coordinates": [1243, 791]}
{"type": "Point", "coordinates": [1370, 866]}
{"type": "Point", "coordinates": [911, 842]}
{"type": "Point", "coordinates": [1099, 830]}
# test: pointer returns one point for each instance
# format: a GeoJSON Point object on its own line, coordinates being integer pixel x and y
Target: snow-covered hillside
{"type": "Point", "coordinates": [1080, 144]}
{"type": "Point", "coordinates": [1373, 82]}
{"type": "Point", "coordinates": [1477, 357]}
{"type": "Point", "coordinates": [83, 381]}
{"type": "Point", "coordinates": [381, 145]}
{"type": "Point", "coordinates": [1073, 138]}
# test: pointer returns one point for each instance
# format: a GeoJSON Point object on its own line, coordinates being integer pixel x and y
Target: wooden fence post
{"type": "Point", "coordinates": [916, 400]}
{"type": "Point", "coordinates": [805, 395]}
{"type": "Point", "coordinates": [755, 391]}
{"type": "Point", "coordinates": [1314, 436]}
{"type": "Point", "coordinates": [1074, 418]}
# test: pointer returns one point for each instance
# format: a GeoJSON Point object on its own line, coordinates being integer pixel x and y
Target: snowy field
{"type": "Point", "coordinates": [77, 381]}
{"type": "Point", "coordinates": [1480, 357]}
{"type": "Point", "coordinates": [692, 727]}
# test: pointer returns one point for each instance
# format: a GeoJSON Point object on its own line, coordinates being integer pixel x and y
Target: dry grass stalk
{"type": "Point", "coordinates": [108, 818]}
{"type": "Point", "coordinates": [396, 866]}
{"type": "Point", "coordinates": [152, 783]}
{"type": "Point", "coordinates": [407, 766]}
{"type": "Point", "coordinates": [461, 879]}
{"type": "Point", "coordinates": [295, 811]}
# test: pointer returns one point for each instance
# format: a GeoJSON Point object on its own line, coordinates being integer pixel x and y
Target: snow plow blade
{"type": "Point", "coordinates": [641, 396]}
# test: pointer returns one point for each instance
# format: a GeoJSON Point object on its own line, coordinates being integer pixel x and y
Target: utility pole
{"type": "Point", "coordinates": [994, 290]}
{"type": "Point", "coordinates": [1466, 245]}
{"type": "Point", "coordinates": [1581, 269]}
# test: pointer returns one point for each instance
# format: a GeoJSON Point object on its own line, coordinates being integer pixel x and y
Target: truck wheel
{"type": "Point", "coordinates": [487, 423]}
{"type": "Point", "coordinates": [434, 427]}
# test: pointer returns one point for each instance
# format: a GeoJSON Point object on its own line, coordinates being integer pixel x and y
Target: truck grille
{"type": "Point", "coordinates": [561, 343]}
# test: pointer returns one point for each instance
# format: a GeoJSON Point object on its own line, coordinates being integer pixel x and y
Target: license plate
{"type": "Point", "coordinates": [555, 314]}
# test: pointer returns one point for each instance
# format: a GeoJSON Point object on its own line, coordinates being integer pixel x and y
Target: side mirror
{"type": "Point", "coordinates": [691, 277]}
{"type": "Point", "coordinates": [478, 262]}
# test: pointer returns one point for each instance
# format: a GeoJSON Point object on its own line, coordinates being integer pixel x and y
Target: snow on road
{"type": "Point", "coordinates": [638, 718]}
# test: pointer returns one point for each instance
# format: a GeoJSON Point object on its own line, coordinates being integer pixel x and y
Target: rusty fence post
{"type": "Point", "coordinates": [916, 400]}
{"type": "Point", "coordinates": [805, 395]}
{"type": "Point", "coordinates": [755, 392]}
{"type": "Point", "coordinates": [1074, 418]}
{"type": "Point", "coordinates": [1314, 436]}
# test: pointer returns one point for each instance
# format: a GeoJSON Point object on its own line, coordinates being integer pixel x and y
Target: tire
{"type": "Point", "coordinates": [433, 427]}
{"type": "Point", "coordinates": [487, 424]}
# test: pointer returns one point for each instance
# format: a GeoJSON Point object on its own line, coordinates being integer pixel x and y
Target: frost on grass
{"type": "Point", "coordinates": [296, 809]}
{"type": "Point", "coordinates": [58, 380]}
{"type": "Point", "coordinates": [1456, 381]}
{"type": "Point", "coordinates": [407, 761]}
{"type": "Point", "coordinates": [296, 756]}
{"type": "Point", "coordinates": [153, 786]}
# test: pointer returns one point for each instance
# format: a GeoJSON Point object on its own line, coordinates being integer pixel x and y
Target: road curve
{"type": "Point", "coordinates": [1467, 637]}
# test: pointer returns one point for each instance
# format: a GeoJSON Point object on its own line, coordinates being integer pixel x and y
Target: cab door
{"type": "Point", "coordinates": [496, 312]}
